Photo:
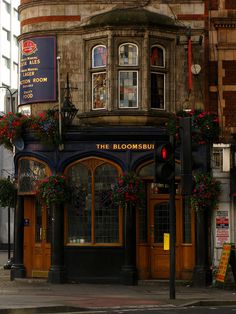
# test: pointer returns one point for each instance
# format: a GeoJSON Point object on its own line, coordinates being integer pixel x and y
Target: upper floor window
{"type": "Point", "coordinates": [99, 56]}
{"type": "Point", "coordinates": [128, 55]}
{"type": "Point", "coordinates": [99, 78]}
{"type": "Point", "coordinates": [7, 6]}
{"type": "Point", "coordinates": [157, 62]}
{"type": "Point", "coordinates": [128, 76]}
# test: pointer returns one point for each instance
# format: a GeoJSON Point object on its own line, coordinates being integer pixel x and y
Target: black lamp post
{"type": "Point", "coordinates": [67, 113]}
{"type": "Point", "coordinates": [68, 110]}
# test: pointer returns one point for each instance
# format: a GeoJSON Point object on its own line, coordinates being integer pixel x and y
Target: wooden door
{"type": "Point", "coordinates": [158, 225]}
{"type": "Point", "coordinates": [37, 238]}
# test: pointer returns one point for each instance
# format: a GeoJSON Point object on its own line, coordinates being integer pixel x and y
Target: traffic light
{"type": "Point", "coordinates": [164, 163]}
{"type": "Point", "coordinates": [194, 157]}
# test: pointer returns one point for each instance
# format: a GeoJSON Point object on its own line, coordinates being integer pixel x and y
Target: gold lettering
{"type": "Point", "coordinates": [37, 61]}
{"type": "Point", "coordinates": [40, 79]}
{"type": "Point", "coordinates": [29, 73]}
{"type": "Point", "coordinates": [102, 146]}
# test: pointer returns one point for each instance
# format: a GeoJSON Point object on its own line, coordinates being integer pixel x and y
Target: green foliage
{"type": "Point", "coordinates": [7, 193]}
{"type": "Point", "coordinates": [206, 192]}
{"type": "Point", "coordinates": [53, 190]}
{"type": "Point", "coordinates": [129, 189]}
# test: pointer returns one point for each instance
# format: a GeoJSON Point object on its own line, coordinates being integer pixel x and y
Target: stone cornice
{"type": "Point", "coordinates": [224, 22]}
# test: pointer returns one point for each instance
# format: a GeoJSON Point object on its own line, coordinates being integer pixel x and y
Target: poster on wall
{"type": "Point", "coordinates": [37, 70]}
{"type": "Point", "coordinates": [222, 227]}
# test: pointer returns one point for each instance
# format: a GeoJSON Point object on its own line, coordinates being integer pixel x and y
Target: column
{"type": "Point", "coordinates": [202, 274]}
{"type": "Point", "coordinates": [57, 273]}
{"type": "Point", "coordinates": [129, 274]}
{"type": "Point", "coordinates": [18, 269]}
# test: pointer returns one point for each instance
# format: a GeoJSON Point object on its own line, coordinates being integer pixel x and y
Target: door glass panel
{"type": "Point", "coordinates": [38, 223]}
{"type": "Point", "coordinates": [161, 221]}
{"type": "Point", "coordinates": [49, 226]}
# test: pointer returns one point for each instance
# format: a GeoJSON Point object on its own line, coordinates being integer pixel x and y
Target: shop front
{"type": "Point", "coordinates": [88, 240]}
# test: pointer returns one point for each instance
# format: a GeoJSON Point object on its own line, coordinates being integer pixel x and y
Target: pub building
{"type": "Point", "coordinates": [122, 70]}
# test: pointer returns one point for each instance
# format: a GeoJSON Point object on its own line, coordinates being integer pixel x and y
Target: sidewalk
{"type": "Point", "coordinates": [37, 293]}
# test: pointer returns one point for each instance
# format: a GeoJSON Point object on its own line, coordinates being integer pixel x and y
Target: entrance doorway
{"type": "Point", "coordinates": [158, 226]}
{"type": "Point", "coordinates": [153, 262]}
{"type": "Point", "coordinates": [37, 238]}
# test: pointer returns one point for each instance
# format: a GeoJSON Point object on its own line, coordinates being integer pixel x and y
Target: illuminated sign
{"type": "Point", "coordinates": [126, 146]}
{"type": "Point", "coordinates": [37, 70]}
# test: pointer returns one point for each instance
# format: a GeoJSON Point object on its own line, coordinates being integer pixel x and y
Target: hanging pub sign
{"type": "Point", "coordinates": [37, 70]}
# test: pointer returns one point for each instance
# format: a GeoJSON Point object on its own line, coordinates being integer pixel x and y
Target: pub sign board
{"type": "Point", "coordinates": [37, 70]}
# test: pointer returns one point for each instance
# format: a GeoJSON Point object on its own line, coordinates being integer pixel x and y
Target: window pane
{"type": "Point", "coordinates": [30, 171]}
{"type": "Point", "coordinates": [187, 231]}
{"type": "Point", "coordinates": [128, 89]}
{"type": "Point", "coordinates": [99, 56]}
{"type": "Point", "coordinates": [157, 57]}
{"type": "Point", "coordinates": [161, 222]}
{"type": "Point", "coordinates": [157, 90]}
{"type": "Point", "coordinates": [99, 90]}
{"type": "Point", "coordinates": [142, 216]}
{"type": "Point", "coordinates": [79, 211]}
{"type": "Point", "coordinates": [106, 213]}
{"type": "Point", "coordinates": [128, 55]}
{"type": "Point", "coordinates": [38, 223]}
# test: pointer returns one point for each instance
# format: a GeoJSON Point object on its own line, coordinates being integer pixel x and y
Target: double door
{"type": "Point", "coordinates": [37, 238]}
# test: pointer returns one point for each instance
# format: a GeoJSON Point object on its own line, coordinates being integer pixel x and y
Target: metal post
{"type": "Point", "coordinates": [11, 99]}
{"type": "Point", "coordinates": [59, 102]}
{"type": "Point", "coordinates": [172, 226]}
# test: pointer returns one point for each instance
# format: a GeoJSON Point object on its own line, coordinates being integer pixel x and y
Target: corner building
{"type": "Point", "coordinates": [125, 68]}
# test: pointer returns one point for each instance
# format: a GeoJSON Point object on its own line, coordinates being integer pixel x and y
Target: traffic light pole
{"type": "Point", "coordinates": [172, 218]}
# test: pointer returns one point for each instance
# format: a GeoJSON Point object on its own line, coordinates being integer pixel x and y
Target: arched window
{"type": "Point", "coordinates": [128, 76]}
{"type": "Point", "coordinates": [30, 171]}
{"type": "Point", "coordinates": [92, 217]}
{"type": "Point", "coordinates": [157, 62]}
{"type": "Point", "coordinates": [99, 77]}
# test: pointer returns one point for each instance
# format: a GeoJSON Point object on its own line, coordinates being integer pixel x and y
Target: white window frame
{"type": "Point", "coordinates": [122, 107]}
{"type": "Point", "coordinates": [105, 107]}
{"type": "Point", "coordinates": [128, 65]}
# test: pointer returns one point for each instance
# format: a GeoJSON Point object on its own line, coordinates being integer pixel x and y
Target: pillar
{"type": "Point", "coordinates": [57, 272]}
{"type": "Point", "coordinates": [202, 273]}
{"type": "Point", "coordinates": [129, 271]}
{"type": "Point", "coordinates": [18, 269]}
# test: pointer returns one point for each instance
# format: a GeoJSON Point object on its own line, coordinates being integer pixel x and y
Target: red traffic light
{"type": "Point", "coordinates": [164, 152]}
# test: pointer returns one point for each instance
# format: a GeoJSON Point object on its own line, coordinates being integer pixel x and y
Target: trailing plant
{"type": "Point", "coordinates": [206, 191]}
{"type": "Point", "coordinates": [53, 190]}
{"type": "Point", "coordinates": [46, 127]}
{"type": "Point", "coordinates": [7, 192]}
{"type": "Point", "coordinates": [129, 189]}
{"type": "Point", "coordinates": [11, 128]}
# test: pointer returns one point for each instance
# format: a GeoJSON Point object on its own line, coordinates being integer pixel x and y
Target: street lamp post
{"type": "Point", "coordinates": [11, 96]}
{"type": "Point", "coordinates": [9, 261]}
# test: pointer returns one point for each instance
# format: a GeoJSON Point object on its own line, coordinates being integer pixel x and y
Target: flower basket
{"type": "Point", "coordinates": [129, 189]}
{"type": "Point", "coordinates": [205, 125]}
{"type": "Point", "coordinates": [11, 128]}
{"type": "Point", "coordinates": [46, 127]}
{"type": "Point", "coordinates": [7, 193]}
{"type": "Point", "coordinates": [53, 190]}
{"type": "Point", "coordinates": [206, 191]}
